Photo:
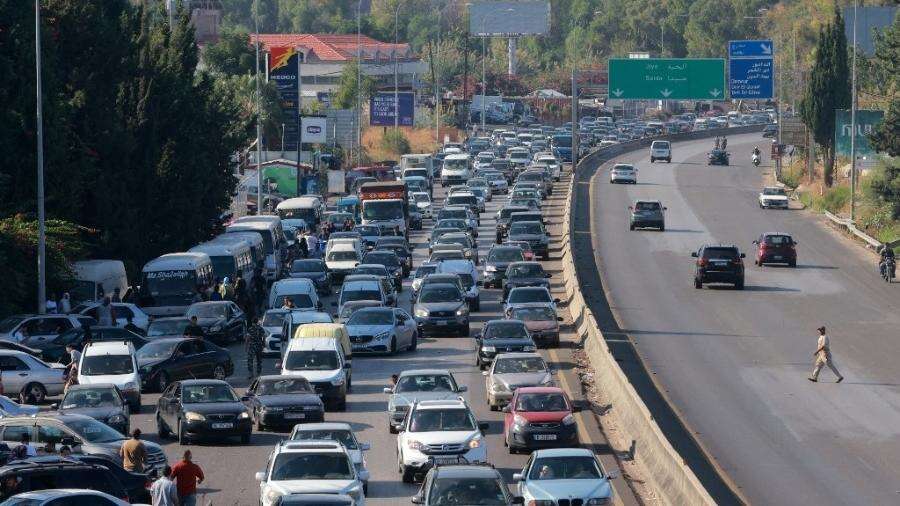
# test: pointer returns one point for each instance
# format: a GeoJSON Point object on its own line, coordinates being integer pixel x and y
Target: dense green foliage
{"type": "Point", "coordinates": [18, 261]}
{"type": "Point", "coordinates": [394, 141]}
{"type": "Point", "coordinates": [346, 95]}
{"type": "Point", "coordinates": [828, 89]}
{"type": "Point", "coordinates": [883, 186]}
{"type": "Point", "coordinates": [137, 142]}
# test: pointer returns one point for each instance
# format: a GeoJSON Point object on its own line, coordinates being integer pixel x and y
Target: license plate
{"type": "Point", "coordinates": [442, 323]}
{"type": "Point", "coordinates": [720, 264]}
{"type": "Point", "coordinates": [545, 437]}
{"type": "Point", "coordinates": [445, 460]}
{"type": "Point", "coordinates": [222, 425]}
{"type": "Point", "coordinates": [295, 416]}
{"type": "Point", "coordinates": [777, 257]}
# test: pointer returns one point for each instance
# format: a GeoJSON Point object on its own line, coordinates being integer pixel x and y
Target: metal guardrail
{"type": "Point", "coordinates": [870, 241]}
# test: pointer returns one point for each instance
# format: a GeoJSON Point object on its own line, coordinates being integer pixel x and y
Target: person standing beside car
{"type": "Point", "coordinates": [105, 312]}
{"type": "Point", "coordinates": [133, 453]}
{"type": "Point", "coordinates": [163, 492]}
{"type": "Point", "coordinates": [187, 475]}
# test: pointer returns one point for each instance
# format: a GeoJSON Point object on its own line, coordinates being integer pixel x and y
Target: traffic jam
{"type": "Point", "coordinates": [444, 255]}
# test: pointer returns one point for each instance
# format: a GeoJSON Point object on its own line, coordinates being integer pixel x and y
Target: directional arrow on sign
{"type": "Point", "coordinates": [617, 92]}
{"type": "Point", "coordinates": [715, 92]}
{"type": "Point", "coordinates": [766, 48]}
{"type": "Point", "coordinates": [666, 92]}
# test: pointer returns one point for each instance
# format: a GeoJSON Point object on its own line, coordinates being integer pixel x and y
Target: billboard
{"type": "Point", "coordinates": [381, 108]}
{"type": "Point", "coordinates": [667, 78]}
{"type": "Point", "coordinates": [751, 78]}
{"type": "Point", "coordinates": [866, 122]}
{"type": "Point", "coordinates": [509, 19]}
{"type": "Point", "coordinates": [314, 129]}
{"type": "Point", "coordinates": [282, 70]}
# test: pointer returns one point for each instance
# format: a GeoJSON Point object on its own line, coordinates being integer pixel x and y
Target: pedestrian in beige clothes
{"type": "Point", "coordinates": [823, 358]}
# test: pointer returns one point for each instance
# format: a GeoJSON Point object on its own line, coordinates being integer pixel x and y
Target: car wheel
{"type": "Point", "coordinates": [631, 226]}
{"type": "Point", "coordinates": [409, 475]}
{"type": "Point", "coordinates": [668, 160]}
{"type": "Point", "coordinates": [393, 348]}
{"type": "Point", "coordinates": [219, 372]}
{"type": "Point", "coordinates": [739, 285]}
{"type": "Point", "coordinates": [391, 429]}
{"type": "Point", "coordinates": [37, 392]}
{"type": "Point", "coordinates": [182, 437]}
{"type": "Point", "coordinates": [259, 425]}
{"type": "Point", "coordinates": [698, 284]}
{"type": "Point", "coordinates": [792, 263]}
{"type": "Point", "coordinates": [477, 305]}
{"type": "Point", "coordinates": [161, 429]}
{"type": "Point", "coordinates": [651, 160]}
{"type": "Point", "coordinates": [245, 438]}
{"type": "Point", "coordinates": [162, 381]}
{"type": "Point", "coordinates": [465, 332]}
{"type": "Point", "coordinates": [414, 343]}
{"type": "Point", "coordinates": [662, 228]}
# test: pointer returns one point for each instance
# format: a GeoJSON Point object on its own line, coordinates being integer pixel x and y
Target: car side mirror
{"type": "Point", "coordinates": [483, 426]}
{"type": "Point", "coordinates": [548, 275]}
{"type": "Point", "coordinates": [417, 499]}
{"type": "Point", "coordinates": [556, 301]}
{"type": "Point", "coordinates": [743, 255]}
{"type": "Point", "coordinates": [54, 406]}
{"type": "Point", "coordinates": [694, 254]}
{"type": "Point", "coordinates": [506, 409]}
{"type": "Point", "coordinates": [245, 398]}
{"type": "Point", "coordinates": [364, 475]}
{"type": "Point", "coordinates": [612, 475]}
{"type": "Point", "coordinates": [260, 476]}
{"type": "Point", "coordinates": [462, 388]}
{"type": "Point", "coordinates": [665, 208]}
{"type": "Point", "coordinates": [365, 447]}
{"type": "Point", "coordinates": [518, 477]}
{"type": "Point", "coordinates": [755, 242]}
{"type": "Point", "coordinates": [335, 316]}
{"type": "Point", "coordinates": [388, 390]}
{"type": "Point", "coordinates": [346, 365]}
{"type": "Point", "coordinates": [70, 441]}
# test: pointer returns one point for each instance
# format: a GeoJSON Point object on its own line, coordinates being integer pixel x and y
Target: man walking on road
{"type": "Point", "coordinates": [188, 475]}
{"type": "Point", "coordinates": [163, 491]}
{"type": "Point", "coordinates": [253, 342]}
{"type": "Point", "coordinates": [133, 453]}
{"type": "Point", "coordinates": [823, 358]}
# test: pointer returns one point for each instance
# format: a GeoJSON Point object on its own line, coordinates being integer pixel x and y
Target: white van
{"type": "Point", "coordinates": [307, 208]}
{"type": "Point", "coordinates": [342, 259]}
{"type": "Point", "coordinates": [170, 282]}
{"type": "Point", "coordinates": [228, 259]}
{"type": "Point", "coordinates": [355, 242]}
{"type": "Point", "coordinates": [253, 239]}
{"type": "Point", "coordinates": [273, 239]}
{"type": "Point", "coordinates": [302, 291]}
{"type": "Point", "coordinates": [96, 278]}
{"type": "Point", "coordinates": [322, 362]}
{"type": "Point", "coordinates": [112, 362]}
{"type": "Point", "coordinates": [457, 169]}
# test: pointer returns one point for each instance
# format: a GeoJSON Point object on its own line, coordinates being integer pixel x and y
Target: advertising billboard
{"type": "Point", "coordinates": [381, 108]}
{"type": "Point", "coordinates": [314, 129]}
{"type": "Point", "coordinates": [282, 70]}
{"type": "Point", "coordinates": [509, 19]}
{"type": "Point", "coordinates": [866, 122]}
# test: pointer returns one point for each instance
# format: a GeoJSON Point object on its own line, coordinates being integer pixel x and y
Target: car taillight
{"type": "Point", "coordinates": [737, 261]}
{"type": "Point", "coordinates": [702, 262]}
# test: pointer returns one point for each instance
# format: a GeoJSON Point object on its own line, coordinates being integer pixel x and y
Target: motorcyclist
{"type": "Point", "coordinates": [756, 150]}
{"type": "Point", "coordinates": [887, 254]}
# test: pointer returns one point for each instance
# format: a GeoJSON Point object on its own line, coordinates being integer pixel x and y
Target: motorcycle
{"type": "Point", "coordinates": [755, 159]}
{"type": "Point", "coordinates": [888, 268]}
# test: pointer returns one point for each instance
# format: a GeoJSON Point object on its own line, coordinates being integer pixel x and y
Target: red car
{"type": "Point", "coordinates": [539, 417]}
{"type": "Point", "coordinates": [776, 248]}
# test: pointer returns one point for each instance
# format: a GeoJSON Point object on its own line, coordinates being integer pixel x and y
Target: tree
{"type": "Point", "coordinates": [232, 54]}
{"type": "Point", "coordinates": [886, 137]}
{"type": "Point", "coordinates": [345, 98]}
{"type": "Point", "coordinates": [828, 89]}
{"type": "Point", "coordinates": [883, 186]}
{"type": "Point", "coordinates": [394, 141]}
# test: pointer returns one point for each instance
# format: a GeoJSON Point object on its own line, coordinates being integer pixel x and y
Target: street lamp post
{"type": "Point", "coordinates": [358, 83]}
{"type": "Point", "coordinates": [852, 122]}
{"type": "Point", "coordinates": [394, 53]}
{"type": "Point", "coordinates": [259, 174]}
{"type": "Point", "coordinates": [42, 234]}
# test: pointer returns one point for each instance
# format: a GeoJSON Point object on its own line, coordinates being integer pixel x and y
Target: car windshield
{"type": "Point", "coordinates": [505, 330]}
{"type": "Point", "coordinates": [311, 360]}
{"type": "Point", "coordinates": [375, 270]}
{"type": "Point", "coordinates": [299, 300]}
{"type": "Point", "coordinates": [565, 468]}
{"type": "Point", "coordinates": [421, 197]}
{"type": "Point", "coordinates": [526, 228]}
{"type": "Point", "coordinates": [368, 230]}
{"type": "Point", "coordinates": [93, 431]}
{"type": "Point", "coordinates": [440, 420]}
{"type": "Point", "coordinates": [438, 293]}
{"type": "Point", "coordinates": [774, 191]}
{"type": "Point", "coordinates": [542, 402]}
{"type": "Point", "coordinates": [510, 365]}
{"type": "Point", "coordinates": [564, 141]}
{"type": "Point", "coordinates": [383, 210]}
{"type": "Point", "coordinates": [382, 258]}
{"type": "Point", "coordinates": [647, 206]}
{"type": "Point", "coordinates": [342, 256]}
{"type": "Point", "coordinates": [273, 319]}
{"type": "Point", "coordinates": [456, 163]}
{"type": "Point", "coordinates": [167, 327]}
{"type": "Point", "coordinates": [526, 271]}
{"type": "Point", "coordinates": [10, 323]}
{"type": "Point", "coordinates": [450, 239]}
{"type": "Point", "coordinates": [720, 253]}
{"type": "Point", "coordinates": [467, 492]}
{"type": "Point", "coordinates": [372, 317]}
{"type": "Point", "coordinates": [308, 266]}
{"type": "Point", "coordinates": [283, 386]}
{"type": "Point", "coordinates": [424, 270]}
{"type": "Point", "coordinates": [207, 311]}
{"type": "Point", "coordinates": [778, 240]}
{"type": "Point", "coordinates": [311, 466]}
{"type": "Point", "coordinates": [155, 350]}
{"type": "Point", "coordinates": [531, 314]}
{"type": "Point", "coordinates": [454, 254]}
{"type": "Point", "coordinates": [351, 295]}
{"type": "Point", "coordinates": [194, 394]}
{"type": "Point", "coordinates": [505, 255]}
{"type": "Point", "coordinates": [345, 437]}
{"type": "Point", "coordinates": [518, 295]}
{"type": "Point", "coordinates": [100, 365]}
{"type": "Point", "coordinates": [93, 398]}
{"type": "Point", "coordinates": [425, 383]}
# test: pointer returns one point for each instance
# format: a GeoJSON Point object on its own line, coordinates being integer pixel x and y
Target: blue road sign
{"type": "Point", "coordinates": [381, 108]}
{"type": "Point", "coordinates": [751, 78]}
{"type": "Point", "coordinates": [750, 49]}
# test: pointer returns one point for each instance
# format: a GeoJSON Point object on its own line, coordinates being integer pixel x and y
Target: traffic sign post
{"type": "Point", "coordinates": [750, 49]}
{"type": "Point", "coordinates": [667, 78]}
{"type": "Point", "coordinates": [751, 78]}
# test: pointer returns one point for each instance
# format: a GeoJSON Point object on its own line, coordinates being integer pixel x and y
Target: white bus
{"type": "Point", "coordinates": [306, 208]}
{"type": "Point", "coordinates": [169, 283]}
{"type": "Point", "coordinates": [228, 259]}
{"type": "Point", "coordinates": [273, 239]}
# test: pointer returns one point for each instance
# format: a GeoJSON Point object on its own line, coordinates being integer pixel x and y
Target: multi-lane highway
{"type": "Point", "coordinates": [735, 363]}
{"type": "Point", "coordinates": [230, 468]}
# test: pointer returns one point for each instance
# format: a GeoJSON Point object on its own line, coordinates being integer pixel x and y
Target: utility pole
{"type": "Point", "coordinates": [483, 76]}
{"type": "Point", "coordinates": [574, 119]}
{"type": "Point", "coordinates": [853, 122]}
{"type": "Point", "coordinates": [394, 54]}
{"type": "Point", "coordinates": [259, 174]}
{"type": "Point", "coordinates": [299, 115]}
{"type": "Point", "coordinates": [42, 232]}
{"type": "Point", "coordinates": [358, 83]}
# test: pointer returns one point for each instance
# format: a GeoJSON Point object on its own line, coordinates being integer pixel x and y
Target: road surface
{"type": "Point", "coordinates": [734, 363]}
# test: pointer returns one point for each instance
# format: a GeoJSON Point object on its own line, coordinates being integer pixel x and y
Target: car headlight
{"type": "Point", "coordinates": [596, 501]}
{"type": "Point", "coordinates": [475, 443]}
{"type": "Point", "coordinates": [568, 420]}
{"type": "Point", "coordinates": [194, 417]}
{"type": "Point", "coordinates": [421, 313]}
{"type": "Point", "coordinates": [490, 268]}
{"type": "Point", "coordinates": [412, 444]}
{"type": "Point", "coordinates": [338, 381]}
{"type": "Point", "coordinates": [383, 335]}
{"type": "Point", "coordinates": [116, 419]}
{"type": "Point", "coordinates": [499, 386]}
{"type": "Point", "coordinates": [131, 385]}
{"type": "Point", "coordinates": [463, 311]}
{"type": "Point", "coordinates": [528, 348]}
{"type": "Point", "coordinates": [547, 380]}
{"type": "Point", "coordinates": [489, 349]}
{"type": "Point", "coordinates": [272, 495]}
{"type": "Point", "coordinates": [215, 328]}
{"type": "Point", "coordinates": [520, 421]}
{"type": "Point", "coordinates": [243, 416]}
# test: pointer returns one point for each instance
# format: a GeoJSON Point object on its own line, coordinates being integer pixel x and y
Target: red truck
{"type": "Point", "coordinates": [385, 204]}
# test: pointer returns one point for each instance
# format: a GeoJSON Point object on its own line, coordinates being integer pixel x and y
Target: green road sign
{"type": "Point", "coordinates": [667, 78]}
{"type": "Point", "coordinates": [866, 123]}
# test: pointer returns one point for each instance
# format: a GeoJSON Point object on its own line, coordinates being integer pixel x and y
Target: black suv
{"type": "Point", "coordinates": [719, 264]}
{"type": "Point", "coordinates": [464, 484]}
{"type": "Point", "coordinates": [42, 473]}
